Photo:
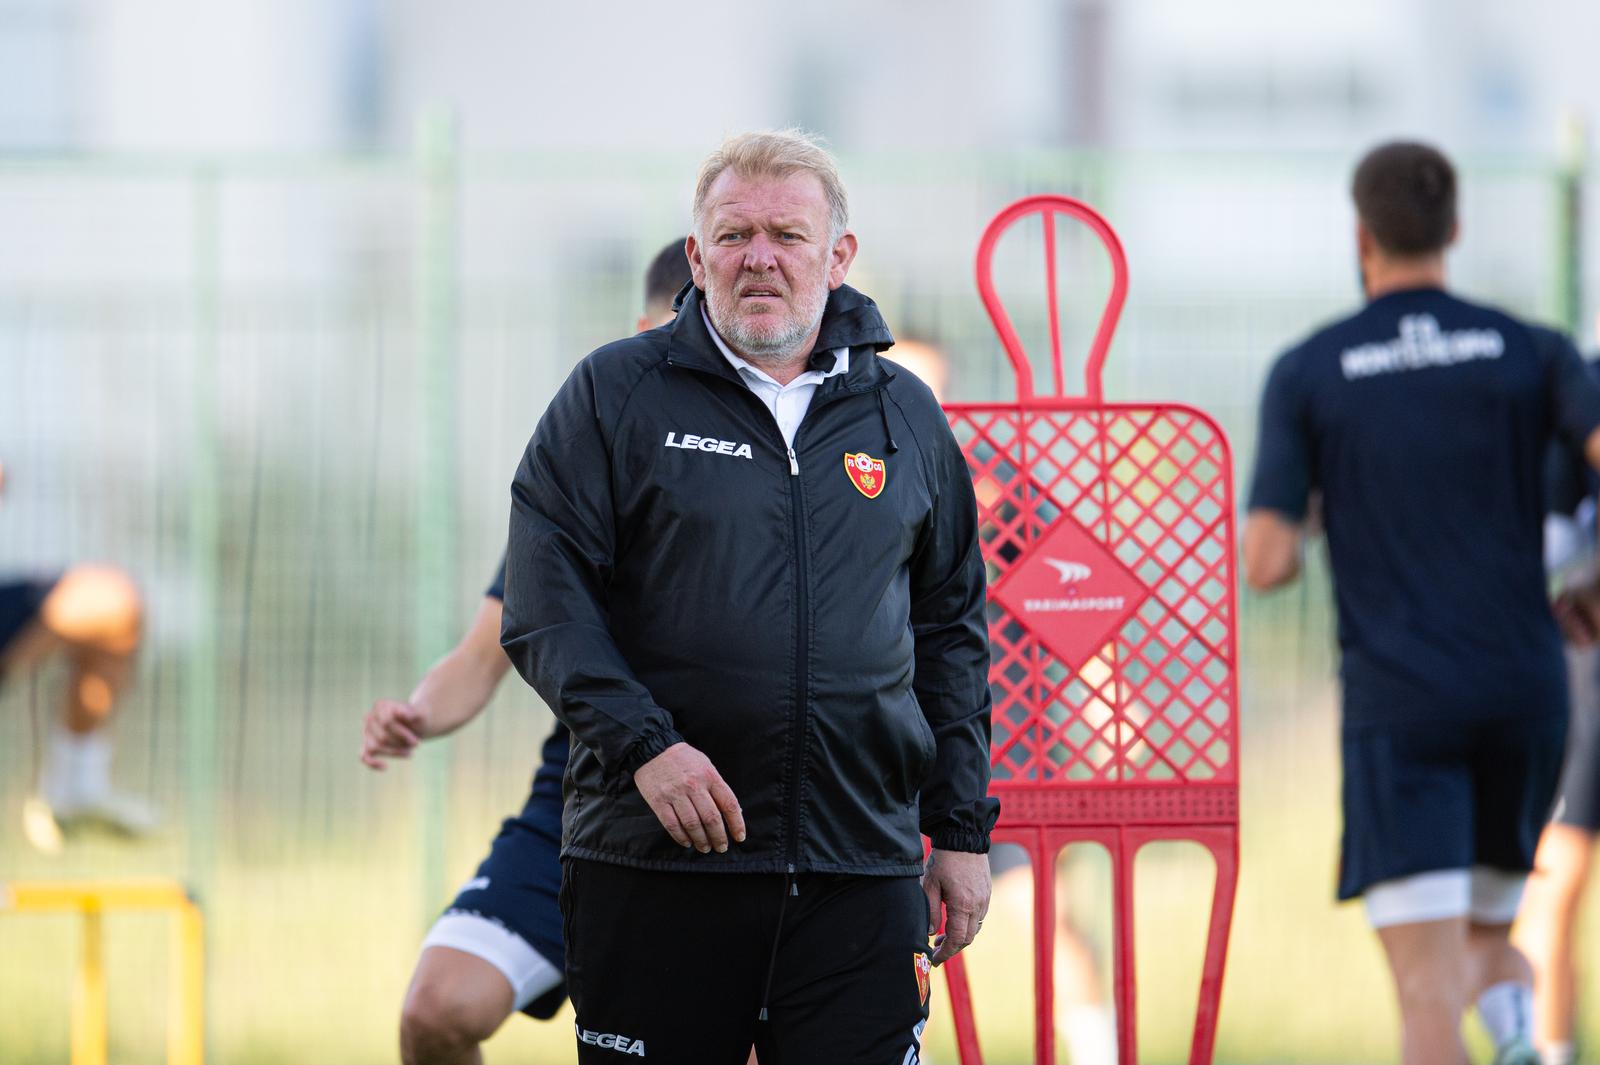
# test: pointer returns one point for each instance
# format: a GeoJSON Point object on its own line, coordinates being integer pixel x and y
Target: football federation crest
{"type": "Point", "coordinates": [868, 474]}
{"type": "Point", "coordinates": [924, 967]}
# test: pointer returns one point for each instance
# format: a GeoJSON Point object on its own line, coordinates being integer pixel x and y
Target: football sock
{"type": "Point", "coordinates": [1559, 1054]}
{"type": "Point", "coordinates": [1506, 1010]}
{"type": "Point", "coordinates": [77, 767]}
{"type": "Point", "coordinates": [1091, 1034]}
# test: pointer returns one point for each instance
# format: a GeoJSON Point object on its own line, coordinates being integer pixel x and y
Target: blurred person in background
{"type": "Point", "coordinates": [1082, 1017]}
{"type": "Point", "coordinates": [1547, 924]}
{"type": "Point", "coordinates": [1423, 421]}
{"type": "Point", "coordinates": [92, 617]}
{"type": "Point", "coordinates": [497, 948]}
{"type": "Point", "coordinates": [743, 568]}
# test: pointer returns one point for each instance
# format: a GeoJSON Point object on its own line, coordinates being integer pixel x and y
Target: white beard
{"type": "Point", "coordinates": [764, 345]}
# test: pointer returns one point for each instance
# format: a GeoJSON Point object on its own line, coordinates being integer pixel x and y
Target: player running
{"type": "Point", "coordinates": [92, 616]}
{"type": "Point", "coordinates": [1547, 924]}
{"type": "Point", "coordinates": [1422, 421]}
{"type": "Point", "coordinates": [497, 949]}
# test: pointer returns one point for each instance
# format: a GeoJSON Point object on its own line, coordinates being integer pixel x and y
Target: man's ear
{"type": "Point", "coordinates": [1363, 239]}
{"type": "Point", "coordinates": [697, 265]}
{"type": "Point", "coordinates": [840, 258]}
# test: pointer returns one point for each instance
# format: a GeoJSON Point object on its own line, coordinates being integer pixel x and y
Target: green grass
{"type": "Point", "coordinates": [318, 903]}
{"type": "Point", "coordinates": [310, 956]}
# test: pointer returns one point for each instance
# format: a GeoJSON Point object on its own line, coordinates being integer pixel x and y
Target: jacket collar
{"type": "Point", "coordinates": [849, 320]}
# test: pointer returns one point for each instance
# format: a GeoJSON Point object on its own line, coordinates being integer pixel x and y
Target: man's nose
{"type": "Point", "coordinates": [760, 253]}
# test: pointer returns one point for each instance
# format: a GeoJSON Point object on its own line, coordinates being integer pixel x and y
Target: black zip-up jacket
{"type": "Point", "coordinates": [675, 572]}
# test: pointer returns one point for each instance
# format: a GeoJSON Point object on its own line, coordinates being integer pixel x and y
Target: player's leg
{"type": "Point", "coordinates": [1502, 979]}
{"type": "Point", "coordinates": [456, 1000]}
{"type": "Point", "coordinates": [1428, 960]}
{"type": "Point", "coordinates": [667, 967]}
{"type": "Point", "coordinates": [496, 950]}
{"type": "Point", "coordinates": [94, 616]}
{"type": "Point", "coordinates": [1519, 763]}
{"type": "Point", "coordinates": [1082, 1017]}
{"type": "Point", "coordinates": [1502, 990]}
{"type": "Point", "coordinates": [475, 971]}
{"type": "Point", "coordinates": [25, 641]}
{"type": "Point", "coordinates": [1408, 844]}
{"type": "Point", "coordinates": [1546, 930]}
{"type": "Point", "coordinates": [97, 614]}
{"type": "Point", "coordinates": [1547, 922]}
{"type": "Point", "coordinates": [851, 983]}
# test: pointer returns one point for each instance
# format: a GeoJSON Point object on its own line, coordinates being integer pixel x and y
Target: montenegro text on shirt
{"type": "Point", "coordinates": [1423, 420]}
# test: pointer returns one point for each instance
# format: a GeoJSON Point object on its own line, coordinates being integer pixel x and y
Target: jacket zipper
{"type": "Point", "coordinates": [802, 660]}
{"type": "Point", "coordinates": [797, 738]}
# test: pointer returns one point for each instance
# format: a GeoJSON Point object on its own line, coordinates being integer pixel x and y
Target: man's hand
{"type": "Point", "coordinates": [1577, 611]}
{"type": "Point", "coordinates": [392, 730]}
{"type": "Point", "coordinates": [690, 799]}
{"type": "Point", "coordinates": [960, 881]}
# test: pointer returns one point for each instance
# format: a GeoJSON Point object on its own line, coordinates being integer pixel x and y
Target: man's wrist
{"type": "Point", "coordinates": [648, 746]}
{"type": "Point", "coordinates": [947, 839]}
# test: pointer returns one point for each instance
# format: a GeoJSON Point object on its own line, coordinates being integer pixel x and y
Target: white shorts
{"type": "Point", "coordinates": [1482, 895]}
{"type": "Point", "coordinates": [529, 972]}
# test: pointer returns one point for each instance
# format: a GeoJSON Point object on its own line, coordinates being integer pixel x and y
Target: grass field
{"type": "Point", "coordinates": [317, 909]}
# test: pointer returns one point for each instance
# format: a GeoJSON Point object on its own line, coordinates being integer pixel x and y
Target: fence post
{"type": "Point", "coordinates": [435, 297]}
{"type": "Point", "coordinates": [201, 691]}
{"type": "Point", "coordinates": [1569, 226]}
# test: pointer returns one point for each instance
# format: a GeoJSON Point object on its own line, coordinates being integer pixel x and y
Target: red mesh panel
{"type": "Point", "coordinates": [1108, 532]}
{"type": "Point", "coordinates": [1139, 686]}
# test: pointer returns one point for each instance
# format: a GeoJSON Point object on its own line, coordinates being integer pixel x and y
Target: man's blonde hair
{"type": "Point", "coordinates": [776, 153]}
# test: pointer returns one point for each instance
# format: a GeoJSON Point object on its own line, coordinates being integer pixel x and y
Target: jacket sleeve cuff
{"type": "Point", "coordinates": [646, 747]}
{"type": "Point", "coordinates": [949, 839]}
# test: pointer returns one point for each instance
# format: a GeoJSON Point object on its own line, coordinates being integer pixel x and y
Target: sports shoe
{"type": "Point", "coordinates": [112, 811]}
{"type": "Point", "coordinates": [75, 786]}
{"type": "Point", "coordinates": [39, 826]}
{"type": "Point", "coordinates": [1516, 1052]}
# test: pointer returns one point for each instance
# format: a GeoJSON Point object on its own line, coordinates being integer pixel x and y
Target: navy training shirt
{"type": "Point", "coordinates": [543, 808]}
{"type": "Point", "coordinates": [1424, 421]}
{"type": "Point", "coordinates": [497, 586]}
{"type": "Point", "coordinates": [1569, 479]}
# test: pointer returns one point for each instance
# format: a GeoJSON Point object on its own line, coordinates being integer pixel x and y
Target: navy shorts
{"type": "Point", "coordinates": [20, 601]}
{"type": "Point", "coordinates": [1578, 798]}
{"type": "Point", "coordinates": [1422, 798]}
{"type": "Point", "coordinates": [518, 886]}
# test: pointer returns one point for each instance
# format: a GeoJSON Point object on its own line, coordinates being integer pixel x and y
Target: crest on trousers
{"type": "Point", "coordinates": [924, 967]}
{"type": "Point", "coordinates": [868, 474]}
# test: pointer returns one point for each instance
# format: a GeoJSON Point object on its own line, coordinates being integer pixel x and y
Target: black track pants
{"type": "Point", "coordinates": [671, 968]}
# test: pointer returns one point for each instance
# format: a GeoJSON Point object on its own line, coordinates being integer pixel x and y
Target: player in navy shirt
{"type": "Point", "coordinates": [498, 947]}
{"type": "Point", "coordinates": [1547, 925]}
{"type": "Point", "coordinates": [1422, 422]}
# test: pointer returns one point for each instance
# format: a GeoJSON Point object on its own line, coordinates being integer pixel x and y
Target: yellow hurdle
{"type": "Point", "coordinates": [92, 898]}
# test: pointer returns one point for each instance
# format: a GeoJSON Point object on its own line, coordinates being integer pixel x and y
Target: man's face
{"type": "Point", "coordinates": [764, 259]}
{"type": "Point", "coordinates": [655, 314]}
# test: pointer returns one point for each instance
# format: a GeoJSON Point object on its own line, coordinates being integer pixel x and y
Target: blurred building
{"type": "Point", "coordinates": [298, 74]}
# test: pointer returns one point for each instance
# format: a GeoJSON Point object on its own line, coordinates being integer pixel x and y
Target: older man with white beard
{"type": "Point", "coordinates": [744, 570]}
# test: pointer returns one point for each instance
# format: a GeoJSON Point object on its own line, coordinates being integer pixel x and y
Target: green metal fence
{"type": "Point", "coordinates": [288, 394]}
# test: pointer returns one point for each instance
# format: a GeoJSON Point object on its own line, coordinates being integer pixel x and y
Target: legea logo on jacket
{"type": "Point", "coordinates": [690, 442]}
{"type": "Point", "coordinates": [868, 474]}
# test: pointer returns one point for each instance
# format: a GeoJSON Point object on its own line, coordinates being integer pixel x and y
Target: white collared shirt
{"type": "Point", "coordinates": [788, 403]}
